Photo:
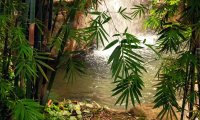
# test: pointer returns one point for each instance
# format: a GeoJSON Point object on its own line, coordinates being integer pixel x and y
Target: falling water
{"type": "Point", "coordinates": [97, 84]}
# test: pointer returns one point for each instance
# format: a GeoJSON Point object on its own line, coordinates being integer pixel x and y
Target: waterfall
{"type": "Point", "coordinates": [118, 24]}
{"type": "Point", "coordinates": [135, 27]}
{"type": "Point", "coordinates": [97, 84]}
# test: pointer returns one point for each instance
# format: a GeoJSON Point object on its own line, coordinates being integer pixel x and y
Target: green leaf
{"type": "Point", "coordinates": [126, 69]}
{"type": "Point", "coordinates": [124, 14]}
{"type": "Point", "coordinates": [111, 44]}
{"type": "Point", "coordinates": [165, 96]}
{"type": "Point", "coordinates": [115, 53]}
{"type": "Point", "coordinates": [44, 64]}
{"type": "Point", "coordinates": [26, 109]}
{"type": "Point", "coordinates": [74, 67]}
{"type": "Point", "coordinates": [139, 10]}
{"type": "Point", "coordinates": [151, 47]}
{"type": "Point", "coordinates": [107, 20]}
{"type": "Point", "coordinates": [42, 72]}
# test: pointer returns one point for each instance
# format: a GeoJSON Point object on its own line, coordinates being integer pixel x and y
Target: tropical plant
{"type": "Point", "coordinates": [25, 109]}
{"type": "Point", "coordinates": [126, 68]}
{"type": "Point", "coordinates": [176, 22]}
{"type": "Point", "coordinates": [26, 27]}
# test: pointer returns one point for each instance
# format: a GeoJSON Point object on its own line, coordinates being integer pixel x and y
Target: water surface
{"type": "Point", "coordinates": [97, 84]}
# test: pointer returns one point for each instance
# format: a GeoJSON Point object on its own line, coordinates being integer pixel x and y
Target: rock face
{"type": "Point", "coordinates": [80, 21]}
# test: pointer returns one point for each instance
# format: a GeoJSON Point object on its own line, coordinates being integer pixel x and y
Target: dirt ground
{"type": "Point", "coordinates": [143, 112]}
{"type": "Point", "coordinates": [93, 111]}
{"type": "Point", "coordinates": [140, 112]}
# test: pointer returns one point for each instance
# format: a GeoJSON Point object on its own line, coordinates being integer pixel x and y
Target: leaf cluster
{"type": "Point", "coordinates": [126, 66]}
{"type": "Point", "coordinates": [73, 65]}
{"type": "Point", "coordinates": [26, 109]}
{"type": "Point", "coordinates": [171, 79]}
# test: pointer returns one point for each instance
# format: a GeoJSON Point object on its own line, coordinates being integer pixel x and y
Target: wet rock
{"type": "Point", "coordinates": [135, 111]}
{"type": "Point", "coordinates": [96, 104]}
{"type": "Point", "coordinates": [89, 105]}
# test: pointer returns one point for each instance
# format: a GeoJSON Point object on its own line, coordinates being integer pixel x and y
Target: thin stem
{"type": "Point", "coordinates": [70, 20]}
{"type": "Point", "coordinates": [5, 57]}
{"type": "Point", "coordinates": [185, 93]}
{"type": "Point", "coordinates": [111, 17]}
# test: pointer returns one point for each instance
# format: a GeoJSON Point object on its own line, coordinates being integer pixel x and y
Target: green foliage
{"type": "Point", "coordinates": [139, 10]}
{"type": "Point", "coordinates": [171, 38]}
{"type": "Point", "coordinates": [95, 33]}
{"type": "Point", "coordinates": [5, 89]}
{"type": "Point", "coordinates": [129, 88]}
{"type": "Point", "coordinates": [196, 114]}
{"type": "Point", "coordinates": [20, 62]}
{"type": "Point", "coordinates": [160, 13]}
{"type": "Point", "coordinates": [64, 110]}
{"type": "Point", "coordinates": [21, 109]}
{"type": "Point", "coordinates": [165, 10]}
{"type": "Point", "coordinates": [96, 30]}
{"type": "Point", "coordinates": [26, 64]}
{"type": "Point", "coordinates": [38, 59]}
{"type": "Point", "coordinates": [32, 11]}
{"type": "Point", "coordinates": [72, 64]}
{"type": "Point", "coordinates": [26, 109]}
{"type": "Point", "coordinates": [56, 43]}
{"type": "Point", "coordinates": [171, 78]}
{"type": "Point", "coordinates": [5, 93]}
{"type": "Point", "coordinates": [126, 69]}
{"type": "Point", "coordinates": [28, 61]}
{"type": "Point", "coordinates": [191, 14]}
{"type": "Point", "coordinates": [124, 14]}
{"type": "Point", "coordinates": [176, 22]}
{"type": "Point", "coordinates": [152, 22]}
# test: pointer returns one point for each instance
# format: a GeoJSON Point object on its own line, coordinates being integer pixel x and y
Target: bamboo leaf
{"type": "Point", "coordinates": [42, 72]}
{"type": "Point", "coordinates": [111, 44]}
{"type": "Point", "coordinates": [44, 64]}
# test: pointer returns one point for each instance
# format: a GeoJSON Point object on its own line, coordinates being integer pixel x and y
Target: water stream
{"type": "Point", "coordinates": [97, 84]}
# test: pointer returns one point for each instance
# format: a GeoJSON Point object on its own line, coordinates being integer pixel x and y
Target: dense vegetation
{"type": "Point", "coordinates": [28, 36]}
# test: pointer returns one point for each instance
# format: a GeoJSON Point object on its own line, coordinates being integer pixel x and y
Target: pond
{"type": "Point", "coordinates": [97, 84]}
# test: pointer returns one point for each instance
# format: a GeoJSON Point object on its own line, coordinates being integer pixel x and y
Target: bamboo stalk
{"type": "Point", "coordinates": [44, 18]}
{"type": "Point", "coordinates": [186, 87]}
{"type": "Point", "coordinates": [198, 74]}
{"type": "Point", "coordinates": [29, 83]}
{"type": "Point", "coordinates": [37, 45]}
{"type": "Point", "coordinates": [70, 18]}
{"type": "Point", "coordinates": [31, 34]}
{"type": "Point", "coordinates": [55, 19]}
{"type": "Point", "coordinates": [5, 57]}
{"type": "Point", "coordinates": [32, 22]}
{"type": "Point", "coordinates": [192, 81]}
{"type": "Point", "coordinates": [25, 16]}
{"type": "Point", "coordinates": [1, 7]}
{"type": "Point", "coordinates": [32, 11]}
{"type": "Point", "coordinates": [50, 15]}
